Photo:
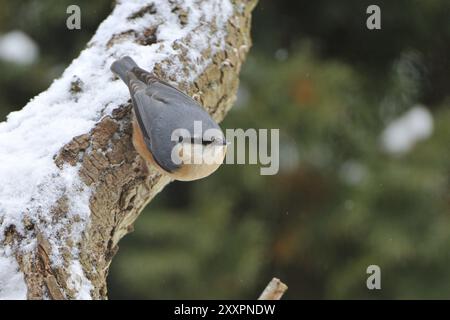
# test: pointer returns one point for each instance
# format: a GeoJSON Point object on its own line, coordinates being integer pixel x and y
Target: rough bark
{"type": "Point", "coordinates": [110, 167]}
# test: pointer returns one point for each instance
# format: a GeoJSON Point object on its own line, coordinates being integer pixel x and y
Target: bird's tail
{"type": "Point", "coordinates": [122, 66]}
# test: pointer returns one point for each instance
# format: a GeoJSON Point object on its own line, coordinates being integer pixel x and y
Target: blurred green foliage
{"type": "Point", "coordinates": [45, 22]}
{"type": "Point", "coordinates": [339, 203]}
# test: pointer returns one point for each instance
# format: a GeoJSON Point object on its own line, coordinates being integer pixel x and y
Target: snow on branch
{"type": "Point", "coordinates": [71, 184]}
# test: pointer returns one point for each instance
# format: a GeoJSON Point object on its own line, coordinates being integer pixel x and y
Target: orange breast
{"type": "Point", "coordinates": [141, 147]}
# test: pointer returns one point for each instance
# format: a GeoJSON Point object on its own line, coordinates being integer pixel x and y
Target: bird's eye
{"type": "Point", "coordinates": [206, 142]}
{"type": "Point", "coordinates": [180, 139]}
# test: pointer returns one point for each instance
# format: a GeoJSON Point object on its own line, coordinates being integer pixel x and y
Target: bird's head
{"type": "Point", "coordinates": [199, 155]}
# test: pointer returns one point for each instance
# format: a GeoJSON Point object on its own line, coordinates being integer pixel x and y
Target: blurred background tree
{"type": "Point", "coordinates": [356, 186]}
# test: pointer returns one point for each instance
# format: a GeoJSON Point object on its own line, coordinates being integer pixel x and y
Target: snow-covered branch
{"type": "Point", "coordinates": [71, 183]}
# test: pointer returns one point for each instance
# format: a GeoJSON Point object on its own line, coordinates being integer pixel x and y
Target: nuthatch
{"type": "Point", "coordinates": [165, 126]}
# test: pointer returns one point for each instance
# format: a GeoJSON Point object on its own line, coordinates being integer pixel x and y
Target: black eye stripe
{"type": "Point", "coordinates": [206, 142]}
{"type": "Point", "coordinates": [193, 140]}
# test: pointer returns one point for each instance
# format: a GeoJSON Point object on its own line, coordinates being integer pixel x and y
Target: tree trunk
{"type": "Point", "coordinates": [71, 183]}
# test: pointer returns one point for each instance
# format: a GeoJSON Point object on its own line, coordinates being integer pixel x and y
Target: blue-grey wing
{"type": "Point", "coordinates": [162, 90]}
{"type": "Point", "coordinates": [156, 128]}
{"type": "Point", "coordinates": [180, 106]}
